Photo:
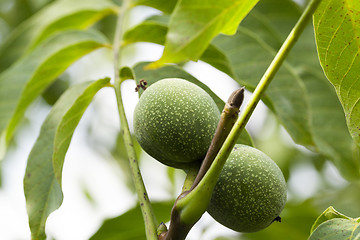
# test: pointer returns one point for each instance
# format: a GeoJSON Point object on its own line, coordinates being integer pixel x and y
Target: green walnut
{"type": "Point", "coordinates": [250, 192]}
{"type": "Point", "coordinates": [175, 121]}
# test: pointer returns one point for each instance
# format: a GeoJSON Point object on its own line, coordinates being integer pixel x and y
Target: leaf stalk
{"type": "Point", "coordinates": [145, 205]}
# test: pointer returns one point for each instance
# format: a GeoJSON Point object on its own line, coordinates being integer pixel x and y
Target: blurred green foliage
{"type": "Point", "coordinates": [268, 25]}
{"type": "Point", "coordinates": [130, 225]}
{"type": "Point", "coordinates": [13, 12]}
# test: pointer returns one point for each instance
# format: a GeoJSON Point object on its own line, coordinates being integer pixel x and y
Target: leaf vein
{"type": "Point", "coordinates": [332, 39]}
{"type": "Point", "coordinates": [349, 68]}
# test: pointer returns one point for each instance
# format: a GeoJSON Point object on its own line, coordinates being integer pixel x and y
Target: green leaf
{"type": "Point", "coordinates": [328, 123]}
{"type": "Point", "coordinates": [273, 20]}
{"type": "Point", "coordinates": [130, 225]}
{"type": "Point", "coordinates": [42, 180]}
{"type": "Point", "coordinates": [126, 73]}
{"type": "Point", "coordinates": [337, 31]}
{"type": "Point", "coordinates": [329, 130]}
{"type": "Point", "coordinates": [329, 213]}
{"type": "Point", "coordinates": [319, 116]}
{"type": "Point", "coordinates": [155, 32]}
{"type": "Point", "coordinates": [250, 56]}
{"type": "Point", "coordinates": [151, 76]}
{"type": "Point", "coordinates": [251, 51]}
{"type": "Point", "coordinates": [337, 229]}
{"type": "Point", "coordinates": [194, 24]}
{"type": "Point", "coordinates": [218, 59]}
{"type": "Point", "coordinates": [166, 6]}
{"type": "Point", "coordinates": [19, 11]}
{"type": "Point", "coordinates": [296, 221]}
{"type": "Point", "coordinates": [58, 16]}
{"type": "Point", "coordinates": [53, 92]}
{"type": "Point", "coordinates": [148, 31]}
{"type": "Point", "coordinates": [32, 74]}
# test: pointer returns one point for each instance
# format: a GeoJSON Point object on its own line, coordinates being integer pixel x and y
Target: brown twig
{"type": "Point", "coordinates": [227, 120]}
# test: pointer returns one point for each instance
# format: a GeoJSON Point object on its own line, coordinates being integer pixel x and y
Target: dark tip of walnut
{"type": "Point", "coordinates": [236, 98]}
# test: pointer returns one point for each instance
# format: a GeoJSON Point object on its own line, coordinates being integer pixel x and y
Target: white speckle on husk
{"type": "Point", "coordinates": [175, 121]}
{"type": "Point", "coordinates": [250, 192]}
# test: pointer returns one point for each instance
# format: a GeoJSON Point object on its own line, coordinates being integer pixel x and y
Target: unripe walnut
{"type": "Point", "coordinates": [250, 192]}
{"type": "Point", "coordinates": [175, 121]}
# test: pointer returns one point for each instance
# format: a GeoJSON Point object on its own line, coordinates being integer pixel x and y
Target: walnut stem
{"type": "Point", "coordinates": [228, 118]}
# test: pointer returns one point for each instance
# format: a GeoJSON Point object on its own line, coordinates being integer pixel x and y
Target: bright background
{"type": "Point", "coordinates": [93, 184]}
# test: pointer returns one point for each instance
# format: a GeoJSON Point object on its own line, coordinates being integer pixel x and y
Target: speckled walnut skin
{"type": "Point", "coordinates": [250, 192]}
{"type": "Point", "coordinates": [175, 121]}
